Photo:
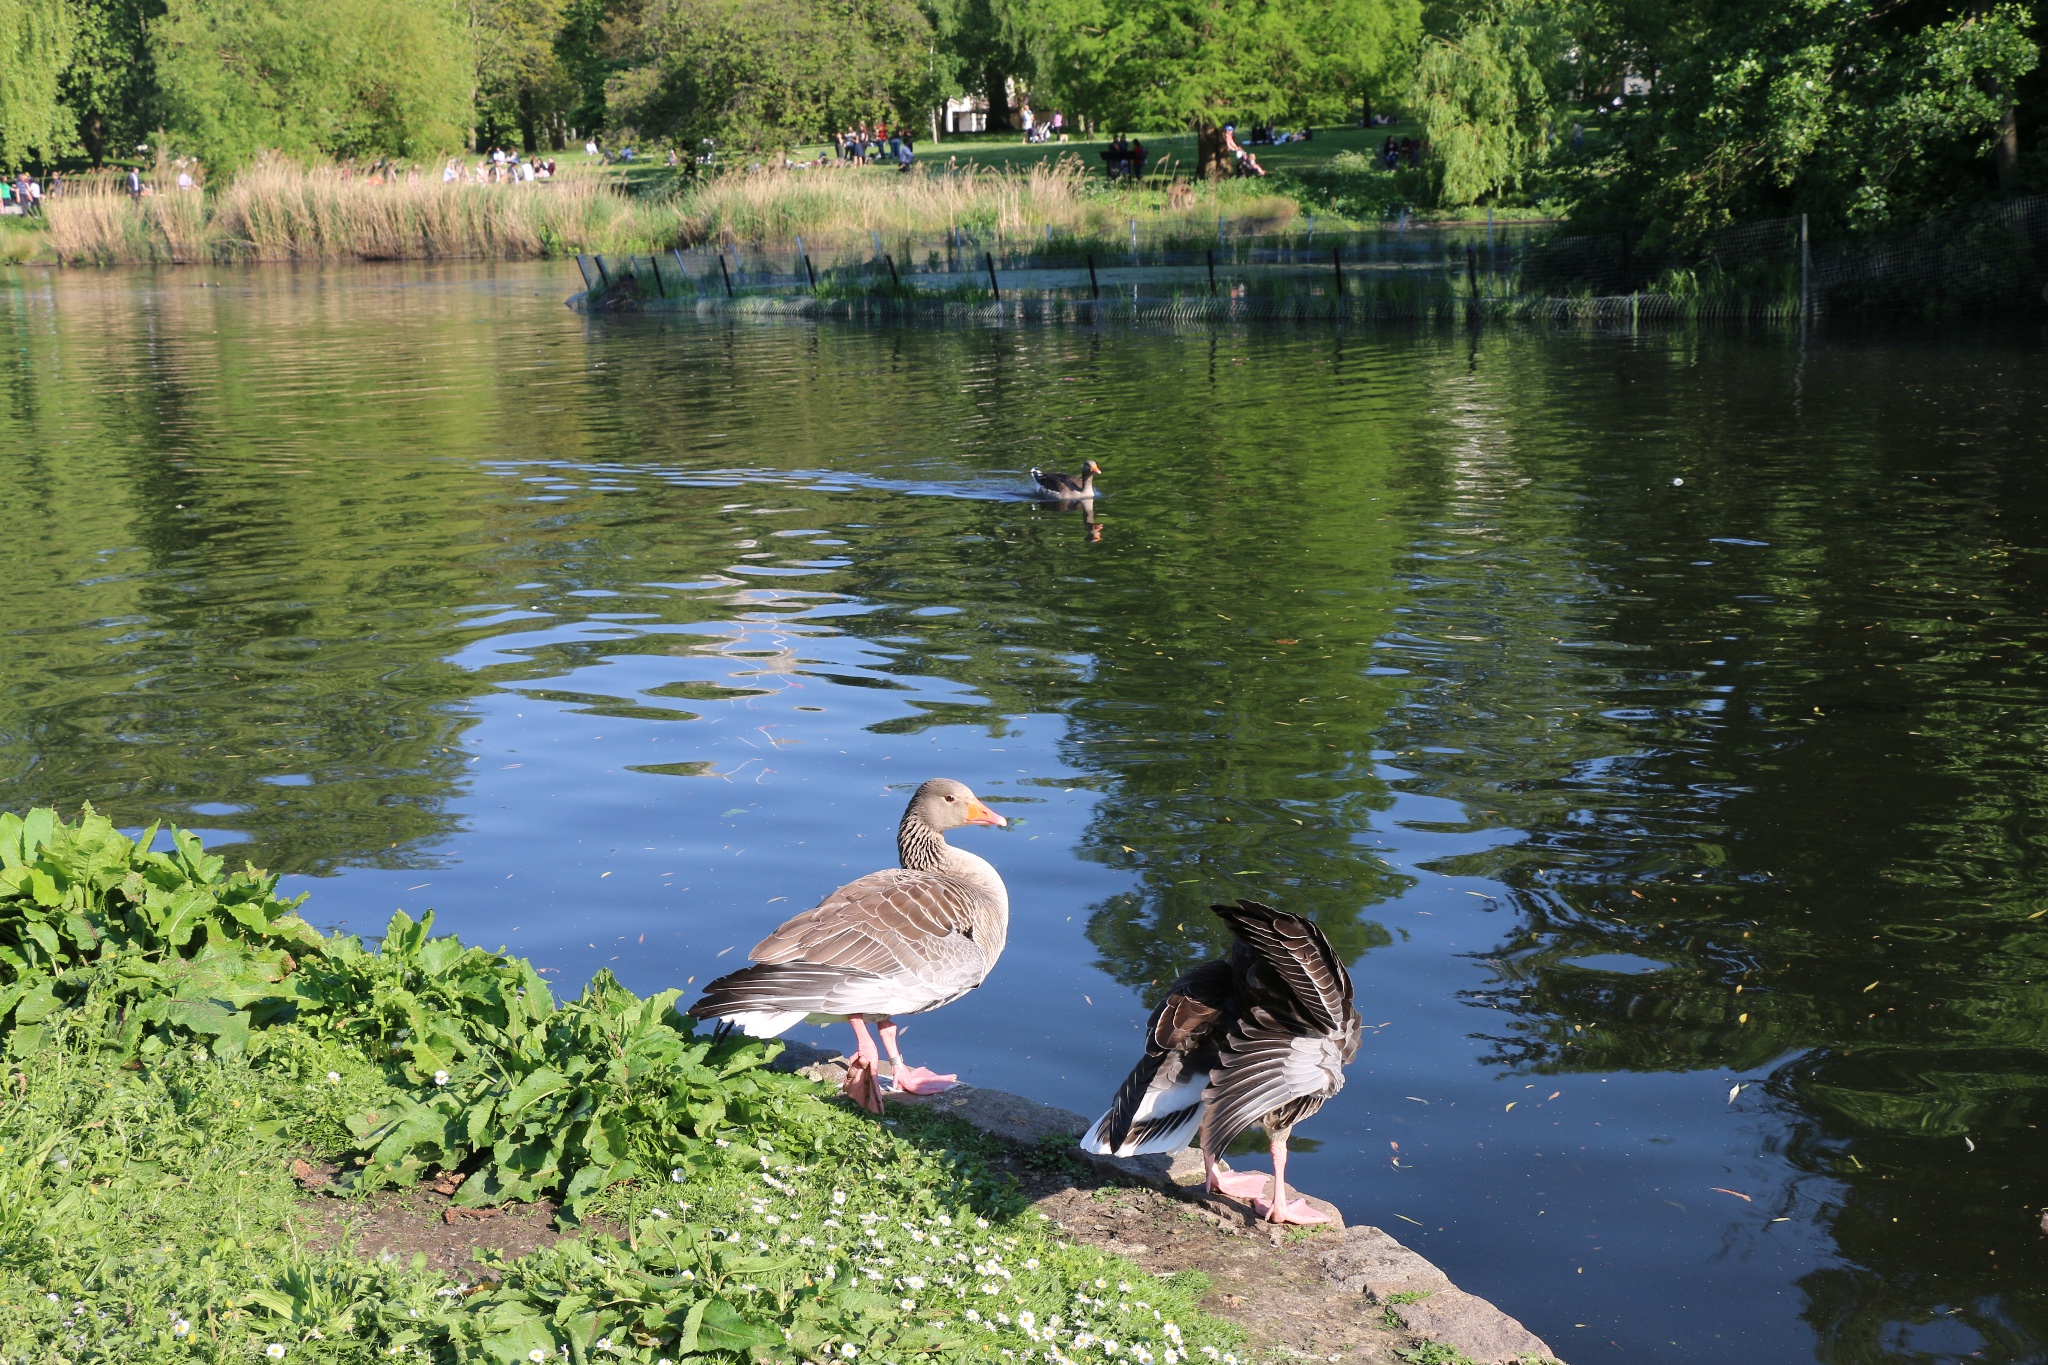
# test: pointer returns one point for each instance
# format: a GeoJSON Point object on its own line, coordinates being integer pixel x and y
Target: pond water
{"type": "Point", "coordinates": [1655, 721]}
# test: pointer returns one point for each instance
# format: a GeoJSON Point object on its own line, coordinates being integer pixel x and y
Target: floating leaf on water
{"type": "Point", "coordinates": [1737, 1193]}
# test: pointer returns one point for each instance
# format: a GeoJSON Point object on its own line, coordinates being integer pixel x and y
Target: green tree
{"type": "Point", "coordinates": [1858, 112]}
{"type": "Point", "coordinates": [521, 80]}
{"type": "Point", "coordinates": [1183, 63]}
{"type": "Point", "coordinates": [1487, 95]}
{"type": "Point", "coordinates": [347, 78]}
{"type": "Point", "coordinates": [980, 45]}
{"type": "Point", "coordinates": [763, 74]}
{"type": "Point", "coordinates": [110, 81]}
{"type": "Point", "coordinates": [36, 35]}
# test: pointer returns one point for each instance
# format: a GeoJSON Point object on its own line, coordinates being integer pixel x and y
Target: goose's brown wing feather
{"type": "Point", "coordinates": [1311, 980]}
{"type": "Point", "coordinates": [888, 922]}
{"type": "Point", "coordinates": [1181, 1040]}
{"type": "Point", "coordinates": [1268, 1069]}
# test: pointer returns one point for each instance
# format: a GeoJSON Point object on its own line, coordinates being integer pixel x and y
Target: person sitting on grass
{"type": "Point", "coordinates": [1247, 164]}
{"type": "Point", "coordinates": [905, 154]}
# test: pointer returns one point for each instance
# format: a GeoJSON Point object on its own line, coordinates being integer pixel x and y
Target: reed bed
{"type": "Point", "coordinates": [932, 200]}
{"type": "Point", "coordinates": [290, 213]}
{"type": "Point", "coordinates": [285, 212]}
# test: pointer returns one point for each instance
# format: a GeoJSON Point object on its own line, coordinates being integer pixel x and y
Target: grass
{"type": "Point", "coordinates": [169, 1058]}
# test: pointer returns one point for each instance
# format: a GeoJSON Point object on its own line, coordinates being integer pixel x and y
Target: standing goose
{"type": "Point", "coordinates": [1260, 1038]}
{"type": "Point", "coordinates": [900, 941]}
{"type": "Point", "coordinates": [1068, 485]}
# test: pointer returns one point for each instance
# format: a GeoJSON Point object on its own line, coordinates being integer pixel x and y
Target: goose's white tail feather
{"type": "Point", "coordinates": [1169, 1132]}
{"type": "Point", "coordinates": [767, 1023]}
{"type": "Point", "coordinates": [1162, 1100]}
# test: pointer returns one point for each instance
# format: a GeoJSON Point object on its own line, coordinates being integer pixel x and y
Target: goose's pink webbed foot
{"type": "Point", "coordinates": [862, 1085]}
{"type": "Point", "coordinates": [1296, 1211]}
{"type": "Point", "coordinates": [915, 1080]}
{"type": "Point", "coordinates": [911, 1080]}
{"type": "Point", "coordinates": [1236, 1184]}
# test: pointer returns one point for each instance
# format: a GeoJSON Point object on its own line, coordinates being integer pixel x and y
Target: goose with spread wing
{"type": "Point", "coordinates": [1069, 486]}
{"type": "Point", "coordinates": [900, 941]}
{"type": "Point", "coordinates": [1258, 1039]}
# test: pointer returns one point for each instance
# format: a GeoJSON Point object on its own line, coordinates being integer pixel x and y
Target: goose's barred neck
{"type": "Point", "coordinates": [919, 847]}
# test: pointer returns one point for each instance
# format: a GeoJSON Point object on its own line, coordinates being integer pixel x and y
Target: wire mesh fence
{"type": "Point", "coordinates": [1991, 258]}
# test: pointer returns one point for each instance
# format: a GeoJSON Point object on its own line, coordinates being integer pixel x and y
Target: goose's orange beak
{"type": "Point", "coordinates": [978, 814]}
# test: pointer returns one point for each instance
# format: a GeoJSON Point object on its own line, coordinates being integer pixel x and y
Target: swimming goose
{"type": "Point", "coordinates": [1068, 485]}
{"type": "Point", "coordinates": [1259, 1038]}
{"type": "Point", "coordinates": [900, 941]}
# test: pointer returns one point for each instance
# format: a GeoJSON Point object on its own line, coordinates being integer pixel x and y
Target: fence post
{"type": "Point", "coordinates": [1472, 271]}
{"type": "Point", "coordinates": [605, 275]}
{"type": "Point", "coordinates": [1212, 275]}
{"type": "Point", "coordinates": [728, 281]}
{"type": "Point", "coordinates": [1094, 289]}
{"type": "Point", "coordinates": [682, 267]}
{"type": "Point", "coordinates": [1219, 232]}
{"type": "Point", "coordinates": [993, 287]}
{"type": "Point", "coordinates": [1805, 267]}
{"type": "Point", "coordinates": [894, 279]}
{"type": "Point", "coordinates": [1311, 230]}
{"type": "Point", "coordinates": [1134, 241]}
{"type": "Point", "coordinates": [810, 272]}
{"type": "Point", "coordinates": [1337, 264]}
{"type": "Point", "coordinates": [654, 264]}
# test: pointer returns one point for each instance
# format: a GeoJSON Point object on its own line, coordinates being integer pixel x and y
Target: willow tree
{"type": "Point", "coordinates": [1486, 96]}
{"type": "Point", "coordinates": [345, 78]}
{"type": "Point", "coordinates": [764, 75]}
{"type": "Point", "coordinates": [1202, 63]}
{"type": "Point", "coordinates": [36, 36]}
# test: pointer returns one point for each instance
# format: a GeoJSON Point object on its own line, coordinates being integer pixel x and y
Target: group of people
{"type": "Point", "coordinates": [499, 168]}
{"type": "Point", "coordinates": [1393, 153]}
{"type": "Point", "coordinates": [1266, 135]}
{"type": "Point", "coordinates": [861, 145]}
{"type": "Point", "coordinates": [23, 195]}
{"type": "Point", "coordinates": [1038, 129]}
{"type": "Point", "coordinates": [1124, 158]}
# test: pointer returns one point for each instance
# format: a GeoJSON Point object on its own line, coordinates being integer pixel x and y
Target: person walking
{"type": "Point", "coordinates": [134, 182]}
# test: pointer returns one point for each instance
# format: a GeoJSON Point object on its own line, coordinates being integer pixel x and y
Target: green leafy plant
{"type": "Point", "coordinates": [192, 950]}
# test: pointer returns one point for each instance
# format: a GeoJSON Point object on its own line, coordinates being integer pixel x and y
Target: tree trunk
{"type": "Point", "coordinates": [1211, 161]}
{"type": "Point", "coordinates": [1365, 111]}
{"type": "Point", "coordinates": [2005, 152]}
{"type": "Point", "coordinates": [995, 86]}
{"type": "Point", "coordinates": [935, 124]}
{"type": "Point", "coordinates": [92, 132]}
{"type": "Point", "coordinates": [529, 139]}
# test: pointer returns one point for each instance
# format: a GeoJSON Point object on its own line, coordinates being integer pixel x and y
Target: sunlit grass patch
{"type": "Point", "coordinates": [177, 1036]}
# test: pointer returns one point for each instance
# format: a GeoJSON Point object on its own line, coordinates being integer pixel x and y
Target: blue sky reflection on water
{"type": "Point", "coordinates": [617, 642]}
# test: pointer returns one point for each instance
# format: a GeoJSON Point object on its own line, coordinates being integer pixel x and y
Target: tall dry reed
{"type": "Point", "coordinates": [823, 201]}
{"type": "Point", "coordinates": [293, 213]}
{"type": "Point", "coordinates": [285, 212]}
